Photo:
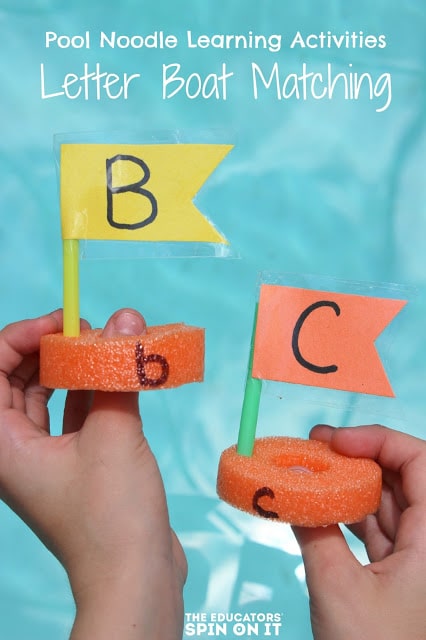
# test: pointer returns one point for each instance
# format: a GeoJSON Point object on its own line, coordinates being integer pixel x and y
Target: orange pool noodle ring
{"type": "Point", "coordinates": [302, 482]}
{"type": "Point", "coordinates": [165, 356]}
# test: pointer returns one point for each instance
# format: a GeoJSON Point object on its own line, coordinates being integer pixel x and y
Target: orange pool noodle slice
{"type": "Point", "coordinates": [165, 356]}
{"type": "Point", "coordinates": [302, 482]}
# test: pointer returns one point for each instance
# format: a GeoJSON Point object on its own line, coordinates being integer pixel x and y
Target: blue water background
{"type": "Point", "coordinates": [333, 189]}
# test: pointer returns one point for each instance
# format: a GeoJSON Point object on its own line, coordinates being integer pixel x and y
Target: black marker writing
{"type": "Point", "coordinates": [135, 187]}
{"type": "Point", "coordinates": [296, 332]}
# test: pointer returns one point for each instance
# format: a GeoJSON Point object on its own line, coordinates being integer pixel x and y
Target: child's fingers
{"type": "Point", "coordinates": [19, 341]}
{"type": "Point", "coordinates": [403, 460]}
{"type": "Point", "coordinates": [77, 407]}
{"type": "Point", "coordinates": [402, 454]}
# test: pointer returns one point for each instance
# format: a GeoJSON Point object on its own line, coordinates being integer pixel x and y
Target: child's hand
{"type": "Point", "coordinates": [384, 600]}
{"type": "Point", "coordinates": [94, 495]}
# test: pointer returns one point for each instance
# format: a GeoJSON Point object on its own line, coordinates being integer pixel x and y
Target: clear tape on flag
{"type": "Point", "coordinates": [141, 191]}
{"type": "Point", "coordinates": [332, 343]}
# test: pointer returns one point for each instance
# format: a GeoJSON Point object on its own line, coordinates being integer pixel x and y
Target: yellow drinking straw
{"type": "Point", "coordinates": [71, 288]}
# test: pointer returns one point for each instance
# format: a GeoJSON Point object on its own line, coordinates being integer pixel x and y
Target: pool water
{"type": "Point", "coordinates": [333, 188]}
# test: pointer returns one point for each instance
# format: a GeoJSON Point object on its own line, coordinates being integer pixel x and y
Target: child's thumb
{"type": "Point", "coordinates": [327, 557]}
{"type": "Point", "coordinates": [120, 406]}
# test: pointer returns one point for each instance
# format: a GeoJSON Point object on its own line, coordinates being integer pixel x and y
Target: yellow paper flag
{"type": "Point", "coordinates": [137, 192]}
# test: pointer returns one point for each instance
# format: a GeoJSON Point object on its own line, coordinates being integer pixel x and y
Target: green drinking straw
{"type": "Point", "coordinates": [71, 288]}
{"type": "Point", "coordinates": [250, 409]}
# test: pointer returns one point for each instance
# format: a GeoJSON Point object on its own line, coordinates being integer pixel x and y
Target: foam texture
{"type": "Point", "coordinates": [165, 356]}
{"type": "Point", "coordinates": [302, 482]}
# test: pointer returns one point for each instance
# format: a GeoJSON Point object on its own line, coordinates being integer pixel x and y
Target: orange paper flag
{"type": "Point", "coordinates": [322, 339]}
